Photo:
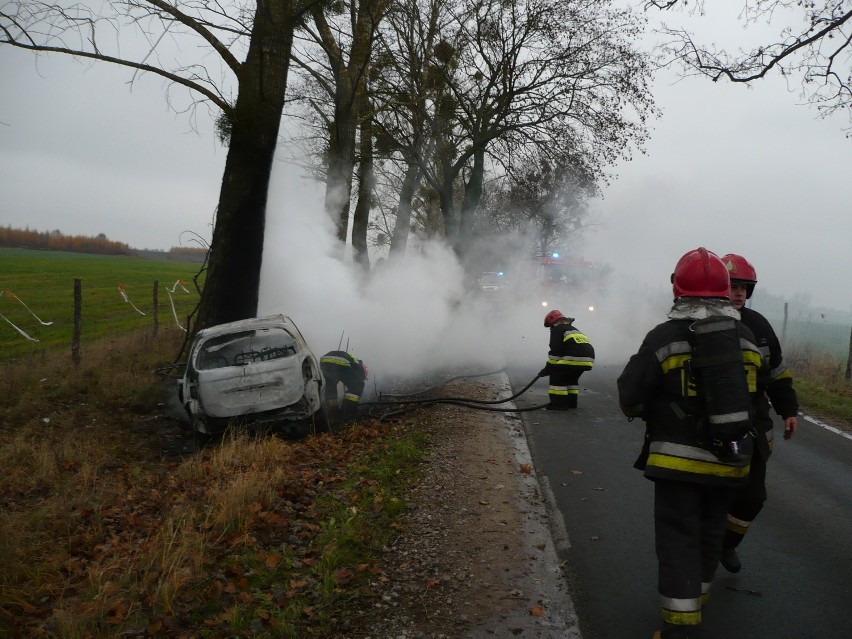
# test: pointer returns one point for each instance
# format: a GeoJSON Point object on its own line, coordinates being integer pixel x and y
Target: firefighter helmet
{"type": "Point", "coordinates": [700, 273]}
{"type": "Point", "coordinates": [551, 318]}
{"type": "Point", "coordinates": [741, 271]}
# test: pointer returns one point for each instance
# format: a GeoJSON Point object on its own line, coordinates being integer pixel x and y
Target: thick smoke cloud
{"type": "Point", "coordinates": [415, 317]}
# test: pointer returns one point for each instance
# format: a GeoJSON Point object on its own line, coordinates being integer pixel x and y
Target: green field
{"type": "Point", "coordinates": [43, 283]}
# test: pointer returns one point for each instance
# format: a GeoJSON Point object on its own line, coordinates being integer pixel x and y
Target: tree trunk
{"type": "Point", "coordinates": [366, 183]}
{"type": "Point", "coordinates": [341, 160]}
{"type": "Point", "coordinates": [470, 202]}
{"type": "Point", "coordinates": [399, 239]}
{"type": "Point", "coordinates": [232, 284]}
{"type": "Point", "coordinates": [349, 85]}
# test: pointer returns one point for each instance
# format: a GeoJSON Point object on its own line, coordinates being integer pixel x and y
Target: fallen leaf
{"type": "Point", "coordinates": [272, 560]}
{"type": "Point", "coordinates": [537, 610]}
{"type": "Point", "coordinates": [343, 575]}
{"type": "Point", "coordinates": [526, 469]}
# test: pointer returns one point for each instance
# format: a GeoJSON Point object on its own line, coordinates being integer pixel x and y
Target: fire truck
{"type": "Point", "coordinates": [569, 284]}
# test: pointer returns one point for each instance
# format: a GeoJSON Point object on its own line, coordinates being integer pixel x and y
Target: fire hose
{"type": "Point", "coordinates": [467, 402]}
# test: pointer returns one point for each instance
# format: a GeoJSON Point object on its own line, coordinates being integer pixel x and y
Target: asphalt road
{"type": "Point", "coordinates": [796, 580]}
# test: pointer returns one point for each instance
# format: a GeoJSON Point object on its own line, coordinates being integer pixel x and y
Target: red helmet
{"type": "Point", "coordinates": [741, 271]}
{"type": "Point", "coordinates": [700, 273]}
{"type": "Point", "coordinates": [551, 318]}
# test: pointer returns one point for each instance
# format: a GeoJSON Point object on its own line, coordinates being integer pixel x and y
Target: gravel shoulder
{"type": "Point", "coordinates": [476, 557]}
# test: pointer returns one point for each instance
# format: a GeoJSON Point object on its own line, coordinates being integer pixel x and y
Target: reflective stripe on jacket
{"type": "Point", "coordinates": [657, 385]}
{"type": "Point", "coordinates": [569, 347]}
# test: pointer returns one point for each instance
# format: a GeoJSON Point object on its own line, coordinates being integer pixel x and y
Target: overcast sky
{"type": "Point", "coordinates": [733, 168]}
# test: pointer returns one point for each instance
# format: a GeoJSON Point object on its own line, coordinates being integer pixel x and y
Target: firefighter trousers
{"type": "Point", "coordinates": [353, 387]}
{"type": "Point", "coordinates": [564, 387]}
{"type": "Point", "coordinates": [689, 522]}
{"type": "Point", "coordinates": [748, 501]}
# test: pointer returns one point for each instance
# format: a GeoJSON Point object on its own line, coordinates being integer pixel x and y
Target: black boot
{"type": "Point", "coordinates": [730, 560]}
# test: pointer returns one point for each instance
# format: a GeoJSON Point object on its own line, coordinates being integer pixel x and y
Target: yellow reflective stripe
{"type": "Point", "coordinates": [577, 337]}
{"type": "Point", "coordinates": [780, 372]}
{"type": "Point", "coordinates": [682, 618]}
{"type": "Point", "coordinates": [575, 361]}
{"type": "Point", "coordinates": [351, 398]}
{"type": "Point", "coordinates": [557, 390]}
{"type": "Point", "coordinates": [340, 361]}
{"type": "Point", "coordinates": [674, 361]}
{"type": "Point", "coordinates": [681, 612]}
{"type": "Point", "coordinates": [697, 467]}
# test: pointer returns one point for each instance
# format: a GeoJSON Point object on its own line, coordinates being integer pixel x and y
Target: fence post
{"type": "Point", "coordinates": [784, 328]}
{"type": "Point", "coordinates": [849, 358]}
{"type": "Point", "coordinates": [78, 313]}
{"type": "Point", "coordinates": [156, 308]}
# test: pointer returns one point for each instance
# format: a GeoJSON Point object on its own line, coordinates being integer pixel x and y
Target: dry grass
{"type": "Point", "coordinates": [101, 535]}
{"type": "Point", "coordinates": [822, 387]}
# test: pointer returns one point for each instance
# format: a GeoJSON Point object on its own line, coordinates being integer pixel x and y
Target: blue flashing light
{"type": "Point", "coordinates": [556, 255]}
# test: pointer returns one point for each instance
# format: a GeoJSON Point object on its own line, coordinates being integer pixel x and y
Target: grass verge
{"type": "Point", "coordinates": [102, 535]}
{"type": "Point", "coordinates": [822, 387]}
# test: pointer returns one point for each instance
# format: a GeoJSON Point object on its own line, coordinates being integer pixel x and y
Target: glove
{"type": "Point", "coordinates": [543, 372]}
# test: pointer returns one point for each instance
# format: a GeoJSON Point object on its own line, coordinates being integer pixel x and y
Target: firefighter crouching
{"type": "Point", "coordinates": [694, 384]}
{"type": "Point", "coordinates": [571, 354]}
{"type": "Point", "coordinates": [340, 366]}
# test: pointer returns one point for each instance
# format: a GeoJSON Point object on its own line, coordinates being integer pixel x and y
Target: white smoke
{"type": "Point", "coordinates": [413, 316]}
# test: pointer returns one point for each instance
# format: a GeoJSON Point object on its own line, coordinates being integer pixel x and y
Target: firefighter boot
{"type": "Point", "coordinates": [730, 560]}
{"type": "Point", "coordinates": [349, 411]}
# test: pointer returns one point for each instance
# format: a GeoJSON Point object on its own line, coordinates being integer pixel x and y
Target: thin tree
{"type": "Point", "coordinates": [336, 55]}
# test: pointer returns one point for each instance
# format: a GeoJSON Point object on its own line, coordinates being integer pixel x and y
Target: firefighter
{"type": "Point", "coordinates": [340, 366]}
{"type": "Point", "coordinates": [776, 387]}
{"type": "Point", "coordinates": [694, 472]}
{"type": "Point", "coordinates": [571, 354]}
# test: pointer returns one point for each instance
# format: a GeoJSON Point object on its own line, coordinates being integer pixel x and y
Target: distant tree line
{"type": "Point", "coordinates": [98, 245]}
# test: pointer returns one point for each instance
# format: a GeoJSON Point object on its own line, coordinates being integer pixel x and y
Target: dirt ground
{"type": "Point", "coordinates": [476, 558]}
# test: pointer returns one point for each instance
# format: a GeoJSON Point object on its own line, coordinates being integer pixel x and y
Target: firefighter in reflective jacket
{"type": "Point", "coordinates": [571, 354]}
{"type": "Point", "coordinates": [340, 366]}
{"type": "Point", "coordinates": [695, 474]}
{"type": "Point", "coordinates": [777, 387]}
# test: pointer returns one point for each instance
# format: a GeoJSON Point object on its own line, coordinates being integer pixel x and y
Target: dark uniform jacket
{"type": "Point", "coordinates": [657, 386]}
{"type": "Point", "coordinates": [570, 350]}
{"type": "Point", "coordinates": [775, 385]}
{"type": "Point", "coordinates": [344, 367]}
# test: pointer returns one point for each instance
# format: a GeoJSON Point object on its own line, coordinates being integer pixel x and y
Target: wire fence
{"type": "Point", "coordinates": [807, 334]}
{"type": "Point", "coordinates": [23, 322]}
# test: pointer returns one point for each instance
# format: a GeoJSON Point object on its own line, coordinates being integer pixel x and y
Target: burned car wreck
{"type": "Point", "coordinates": [256, 373]}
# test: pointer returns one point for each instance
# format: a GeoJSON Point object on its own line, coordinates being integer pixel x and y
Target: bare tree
{"type": "Point", "coordinates": [261, 35]}
{"type": "Point", "coordinates": [336, 55]}
{"type": "Point", "coordinates": [545, 74]}
{"type": "Point", "coordinates": [404, 85]}
{"type": "Point", "coordinates": [814, 42]}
